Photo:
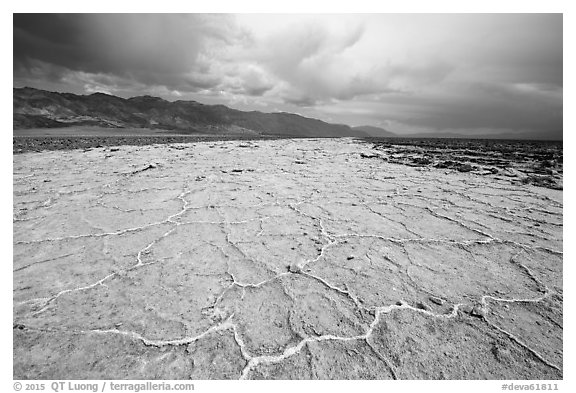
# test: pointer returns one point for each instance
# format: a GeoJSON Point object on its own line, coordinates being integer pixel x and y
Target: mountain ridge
{"type": "Point", "coordinates": [35, 108]}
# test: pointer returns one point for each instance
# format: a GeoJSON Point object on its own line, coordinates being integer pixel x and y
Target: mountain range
{"type": "Point", "coordinates": [33, 108]}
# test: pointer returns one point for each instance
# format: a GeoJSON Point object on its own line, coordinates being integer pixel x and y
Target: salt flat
{"type": "Point", "coordinates": [280, 259]}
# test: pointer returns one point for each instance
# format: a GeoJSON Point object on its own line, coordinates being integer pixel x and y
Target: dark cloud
{"type": "Point", "coordinates": [478, 105]}
{"type": "Point", "coordinates": [156, 49]}
{"type": "Point", "coordinates": [302, 100]}
{"type": "Point", "coordinates": [517, 48]}
{"type": "Point", "coordinates": [427, 71]}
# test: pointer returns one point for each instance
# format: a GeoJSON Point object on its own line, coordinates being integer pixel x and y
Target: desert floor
{"type": "Point", "coordinates": [280, 259]}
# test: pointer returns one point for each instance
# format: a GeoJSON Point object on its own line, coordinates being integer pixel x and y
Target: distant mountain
{"type": "Point", "coordinates": [382, 133]}
{"type": "Point", "coordinates": [33, 108]}
{"type": "Point", "coordinates": [375, 131]}
{"type": "Point", "coordinates": [549, 136]}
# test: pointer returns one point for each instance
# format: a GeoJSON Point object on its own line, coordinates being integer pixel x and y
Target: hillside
{"type": "Point", "coordinates": [33, 108]}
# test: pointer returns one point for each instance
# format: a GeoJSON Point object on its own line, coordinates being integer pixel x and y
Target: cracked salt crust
{"type": "Point", "coordinates": [243, 263]}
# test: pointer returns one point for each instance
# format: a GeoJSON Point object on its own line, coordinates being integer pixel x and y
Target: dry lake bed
{"type": "Point", "coordinates": [280, 259]}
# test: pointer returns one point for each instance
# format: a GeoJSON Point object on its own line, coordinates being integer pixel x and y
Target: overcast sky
{"type": "Point", "coordinates": [466, 73]}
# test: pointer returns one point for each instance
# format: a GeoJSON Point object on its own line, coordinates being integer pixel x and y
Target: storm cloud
{"type": "Point", "coordinates": [141, 48]}
{"type": "Point", "coordinates": [405, 72]}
